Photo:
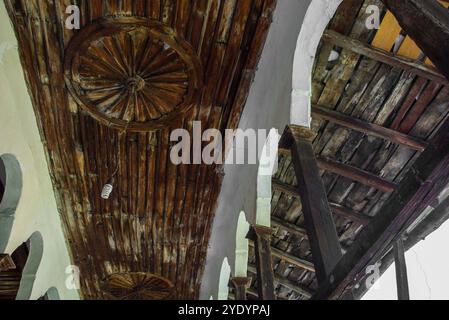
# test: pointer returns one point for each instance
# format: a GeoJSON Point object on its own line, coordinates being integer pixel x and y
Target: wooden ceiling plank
{"type": "Point", "coordinates": [423, 182]}
{"type": "Point", "coordinates": [420, 106]}
{"type": "Point", "coordinates": [336, 209]}
{"type": "Point", "coordinates": [301, 289]}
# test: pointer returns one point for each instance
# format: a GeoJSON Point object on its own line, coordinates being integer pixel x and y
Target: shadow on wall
{"type": "Point", "coordinates": [10, 192]}
{"type": "Point", "coordinates": [36, 250]}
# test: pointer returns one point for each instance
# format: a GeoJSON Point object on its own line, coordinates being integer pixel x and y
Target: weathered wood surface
{"type": "Point", "coordinates": [358, 47]}
{"type": "Point", "coordinates": [335, 208]}
{"type": "Point", "coordinates": [372, 92]}
{"type": "Point", "coordinates": [261, 236]}
{"type": "Point", "coordinates": [352, 173]}
{"type": "Point", "coordinates": [368, 128]}
{"type": "Point", "coordinates": [425, 180]}
{"type": "Point", "coordinates": [401, 270]}
{"type": "Point", "coordinates": [159, 216]}
{"type": "Point", "coordinates": [241, 286]}
{"type": "Point", "coordinates": [414, 16]}
{"type": "Point", "coordinates": [321, 231]}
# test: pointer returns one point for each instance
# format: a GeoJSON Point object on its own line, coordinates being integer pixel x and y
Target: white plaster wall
{"type": "Point", "coordinates": [280, 95]}
{"type": "Point", "coordinates": [19, 136]}
{"type": "Point", "coordinates": [268, 106]}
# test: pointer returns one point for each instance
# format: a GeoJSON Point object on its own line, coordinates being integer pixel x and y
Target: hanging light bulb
{"type": "Point", "coordinates": [107, 189]}
{"type": "Point", "coordinates": [109, 186]}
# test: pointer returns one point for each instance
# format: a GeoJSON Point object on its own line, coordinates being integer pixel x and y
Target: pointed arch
{"type": "Point", "coordinates": [318, 16]}
{"type": "Point", "coordinates": [223, 285]}
{"type": "Point", "coordinates": [11, 189]}
{"type": "Point", "coordinates": [36, 250]}
{"type": "Point", "coordinates": [241, 246]}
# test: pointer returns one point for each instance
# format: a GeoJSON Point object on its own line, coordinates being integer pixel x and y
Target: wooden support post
{"type": "Point", "coordinates": [368, 128]}
{"type": "Point", "coordinates": [241, 286]}
{"type": "Point", "coordinates": [323, 238]}
{"type": "Point", "coordinates": [6, 262]}
{"type": "Point", "coordinates": [401, 270]}
{"type": "Point", "coordinates": [427, 23]}
{"type": "Point", "coordinates": [265, 277]}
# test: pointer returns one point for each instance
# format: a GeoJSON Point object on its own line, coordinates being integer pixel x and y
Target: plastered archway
{"type": "Point", "coordinates": [318, 16]}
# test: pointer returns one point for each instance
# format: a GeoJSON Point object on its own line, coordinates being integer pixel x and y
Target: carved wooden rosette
{"type": "Point", "coordinates": [138, 286]}
{"type": "Point", "coordinates": [132, 73]}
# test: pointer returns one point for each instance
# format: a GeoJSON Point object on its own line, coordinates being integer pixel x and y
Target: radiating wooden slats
{"type": "Point", "coordinates": [159, 216]}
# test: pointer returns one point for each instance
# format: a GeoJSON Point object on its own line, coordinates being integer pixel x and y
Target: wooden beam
{"type": "Point", "coordinates": [287, 257]}
{"type": "Point", "coordinates": [420, 232]}
{"type": "Point", "coordinates": [423, 182]}
{"type": "Point", "coordinates": [6, 263]}
{"type": "Point", "coordinates": [401, 270]}
{"type": "Point", "coordinates": [364, 177]}
{"type": "Point", "coordinates": [289, 227]}
{"type": "Point", "coordinates": [337, 209]}
{"type": "Point", "coordinates": [301, 289]}
{"type": "Point", "coordinates": [265, 278]}
{"type": "Point", "coordinates": [241, 286]}
{"type": "Point", "coordinates": [323, 237]}
{"type": "Point", "coordinates": [380, 55]}
{"type": "Point", "coordinates": [368, 128]}
{"type": "Point", "coordinates": [427, 23]}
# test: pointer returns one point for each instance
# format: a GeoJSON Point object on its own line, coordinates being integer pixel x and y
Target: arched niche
{"type": "Point", "coordinates": [241, 246]}
{"type": "Point", "coordinates": [11, 189]}
{"type": "Point", "coordinates": [36, 249]}
{"type": "Point", "coordinates": [223, 285]}
{"type": "Point", "coordinates": [319, 14]}
{"type": "Point", "coordinates": [267, 167]}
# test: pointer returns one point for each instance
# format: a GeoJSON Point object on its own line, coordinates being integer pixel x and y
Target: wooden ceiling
{"type": "Point", "coordinates": [395, 97]}
{"type": "Point", "coordinates": [204, 55]}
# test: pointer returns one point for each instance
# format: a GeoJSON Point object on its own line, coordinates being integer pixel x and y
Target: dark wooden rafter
{"type": "Point", "coordinates": [356, 174]}
{"type": "Point", "coordinates": [419, 232]}
{"type": "Point", "coordinates": [424, 181]}
{"type": "Point", "coordinates": [291, 259]}
{"type": "Point", "coordinates": [261, 236]}
{"type": "Point", "coordinates": [427, 176]}
{"type": "Point", "coordinates": [336, 209]}
{"type": "Point", "coordinates": [323, 238]}
{"type": "Point", "coordinates": [289, 227]}
{"type": "Point", "coordinates": [401, 270]}
{"type": "Point", "coordinates": [352, 173]}
{"type": "Point", "coordinates": [383, 56]}
{"type": "Point", "coordinates": [303, 290]}
{"type": "Point", "coordinates": [241, 286]}
{"type": "Point", "coordinates": [368, 128]}
{"type": "Point", "coordinates": [415, 16]}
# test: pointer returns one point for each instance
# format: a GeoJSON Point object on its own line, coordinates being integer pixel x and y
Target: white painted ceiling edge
{"type": "Point", "coordinates": [36, 210]}
{"type": "Point", "coordinates": [280, 95]}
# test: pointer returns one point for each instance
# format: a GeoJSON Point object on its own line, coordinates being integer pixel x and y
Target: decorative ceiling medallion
{"type": "Point", "coordinates": [132, 73]}
{"type": "Point", "coordinates": [138, 286]}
